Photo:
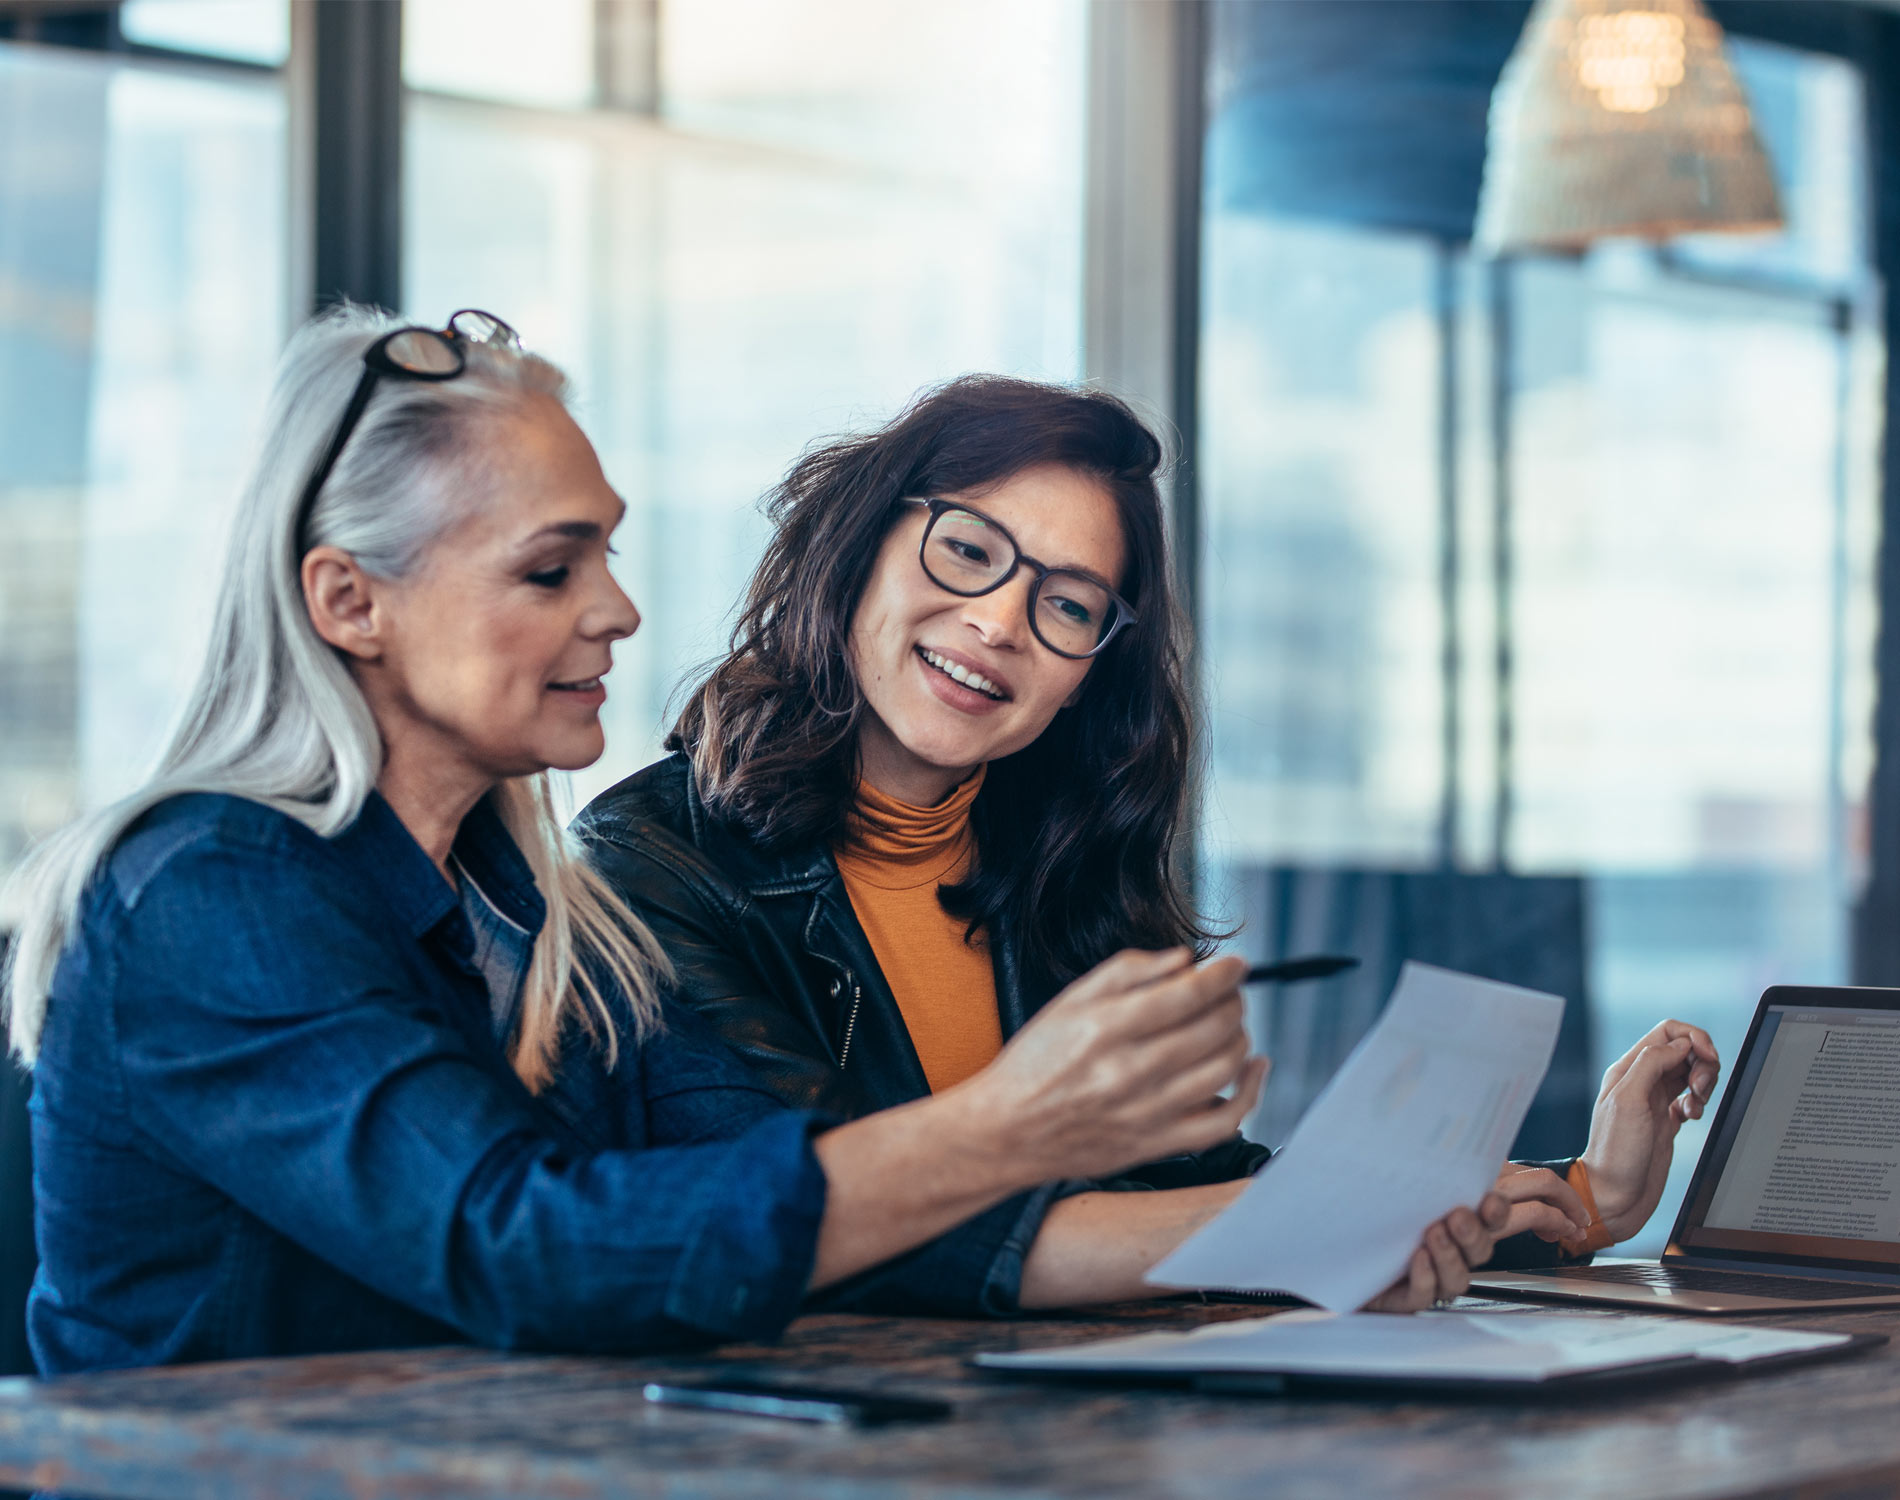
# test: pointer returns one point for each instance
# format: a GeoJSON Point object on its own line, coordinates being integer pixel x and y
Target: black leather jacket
{"type": "Point", "coordinates": [767, 947]}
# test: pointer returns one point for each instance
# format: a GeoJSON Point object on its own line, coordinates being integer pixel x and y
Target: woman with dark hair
{"type": "Point", "coordinates": [943, 772]}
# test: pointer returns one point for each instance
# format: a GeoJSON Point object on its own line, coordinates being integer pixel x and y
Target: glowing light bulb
{"type": "Point", "coordinates": [1630, 59]}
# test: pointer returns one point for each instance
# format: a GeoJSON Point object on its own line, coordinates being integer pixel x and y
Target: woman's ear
{"type": "Point", "coordinates": [342, 604]}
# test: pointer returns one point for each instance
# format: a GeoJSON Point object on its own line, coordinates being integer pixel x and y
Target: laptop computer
{"type": "Point", "coordinates": [1795, 1202]}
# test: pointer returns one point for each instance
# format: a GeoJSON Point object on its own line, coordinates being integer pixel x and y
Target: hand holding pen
{"type": "Point", "coordinates": [1291, 970]}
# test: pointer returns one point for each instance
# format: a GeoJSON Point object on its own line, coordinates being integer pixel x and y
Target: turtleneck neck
{"type": "Point", "coordinates": [897, 846]}
{"type": "Point", "coordinates": [893, 857]}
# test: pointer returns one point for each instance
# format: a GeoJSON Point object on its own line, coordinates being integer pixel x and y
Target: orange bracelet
{"type": "Point", "coordinates": [1597, 1235]}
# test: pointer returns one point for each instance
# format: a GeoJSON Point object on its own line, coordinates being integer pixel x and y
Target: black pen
{"type": "Point", "coordinates": [1314, 966]}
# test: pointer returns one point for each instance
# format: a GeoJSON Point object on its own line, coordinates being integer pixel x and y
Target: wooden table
{"type": "Point", "coordinates": [463, 1422]}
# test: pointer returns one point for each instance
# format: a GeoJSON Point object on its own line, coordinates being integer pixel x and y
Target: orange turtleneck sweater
{"type": "Point", "coordinates": [893, 858]}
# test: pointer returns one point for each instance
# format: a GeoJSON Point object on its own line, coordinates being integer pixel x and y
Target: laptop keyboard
{"type": "Point", "coordinates": [1741, 1283]}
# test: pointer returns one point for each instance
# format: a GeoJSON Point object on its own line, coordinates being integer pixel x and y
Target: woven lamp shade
{"type": "Point", "coordinates": [1620, 117]}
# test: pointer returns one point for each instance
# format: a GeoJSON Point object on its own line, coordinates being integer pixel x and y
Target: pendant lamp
{"type": "Point", "coordinates": [1619, 117]}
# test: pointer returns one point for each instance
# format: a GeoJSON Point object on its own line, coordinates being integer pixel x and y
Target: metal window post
{"type": "Point", "coordinates": [345, 90]}
{"type": "Point", "coordinates": [1876, 929]}
{"type": "Point", "coordinates": [1147, 118]}
{"type": "Point", "coordinates": [1147, 62]}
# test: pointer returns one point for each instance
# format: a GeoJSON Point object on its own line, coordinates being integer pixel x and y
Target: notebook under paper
{"type": "Point", "coordinates": [1795, 1202]}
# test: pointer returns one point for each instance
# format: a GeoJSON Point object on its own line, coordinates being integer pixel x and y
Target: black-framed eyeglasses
{"type": "Point", "coordinates": [967, 553]}
{"type": "Point", "coordinates": [412, 354]}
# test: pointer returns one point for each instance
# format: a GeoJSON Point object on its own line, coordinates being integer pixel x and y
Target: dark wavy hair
{"type": "Point", "coordinates": [1075, 833]}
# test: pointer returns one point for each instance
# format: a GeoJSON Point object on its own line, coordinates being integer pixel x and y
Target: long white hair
{"type": "Point", "coordinates": [275, 715]}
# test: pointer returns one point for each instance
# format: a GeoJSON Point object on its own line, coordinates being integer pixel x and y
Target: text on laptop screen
{"type": "Point", "coordinates": [1807, 1161]}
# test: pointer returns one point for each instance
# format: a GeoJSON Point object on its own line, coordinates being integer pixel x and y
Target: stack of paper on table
{"type": "Point", "coordinates": [1417, 1122]}
{"type": "Point", "coordinates": [1507, 1348]}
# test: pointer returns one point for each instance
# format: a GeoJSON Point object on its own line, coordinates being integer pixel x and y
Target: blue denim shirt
{"type": "Point", "coordinates": [272, 1115]}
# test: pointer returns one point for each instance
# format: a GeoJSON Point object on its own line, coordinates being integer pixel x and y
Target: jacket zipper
{"type": "Point", "coordinates": [850, 1024]}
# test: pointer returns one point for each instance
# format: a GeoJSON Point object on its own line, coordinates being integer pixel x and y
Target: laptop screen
{"type": "Point", "coordinates": [1803, 1163]}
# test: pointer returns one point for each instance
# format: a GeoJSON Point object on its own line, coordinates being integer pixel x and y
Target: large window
{"type": "Point", "coordinates": [142, 291]}
{"type": "Point", "coordinates": [789, 239]}
{"type": "Point", "coordinates": [1555, 569]}
{"type": "Point", "coordinates": [1321, 573]}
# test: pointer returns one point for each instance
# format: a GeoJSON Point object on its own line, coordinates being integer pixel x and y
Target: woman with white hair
{"type": "Point", "coordinates": [338, 1045]}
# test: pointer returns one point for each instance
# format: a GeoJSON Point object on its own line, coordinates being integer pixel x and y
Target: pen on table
{"type": "Point", "coordinates": [1287, 971]}
{"type": "Point", "coordinates": [798, 1403]}
{"type": "Point", "coordinates": [747, 1403]}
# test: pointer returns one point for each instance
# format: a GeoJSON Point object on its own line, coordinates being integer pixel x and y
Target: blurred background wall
{"type": "Point", "coordinates": [1540, 599]}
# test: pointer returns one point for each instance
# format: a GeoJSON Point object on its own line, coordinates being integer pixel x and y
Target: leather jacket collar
{"type": "Point", "coordinates": [789, 948]}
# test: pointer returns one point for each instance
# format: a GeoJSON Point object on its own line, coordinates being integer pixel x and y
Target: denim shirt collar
{"type": "Point", "coordinates": [417, 894]}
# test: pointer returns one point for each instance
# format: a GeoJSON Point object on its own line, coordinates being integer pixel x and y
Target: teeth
{"type": "Point", "coordinates": [962, 674]}
{"type": "Point", "coordinates": [585, 685]}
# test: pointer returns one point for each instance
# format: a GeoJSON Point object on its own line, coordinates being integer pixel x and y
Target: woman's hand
{"type": "Point", "coordinates": [1665, 1079]}
{"type": "Point", "coordinates": [1126, 1065]}
{"type": "Point", "coordinates": [1447, 1253]}
{"type": "Point", "coordinates": [1542, 1203]}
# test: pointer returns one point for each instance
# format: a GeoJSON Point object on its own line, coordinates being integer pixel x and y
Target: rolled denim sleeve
{"type": "Point", "coordinates": [976, 1270]}
{"type": "Point", "coordinates": [348, 1114]}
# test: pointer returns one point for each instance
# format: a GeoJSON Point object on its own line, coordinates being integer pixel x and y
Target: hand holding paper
{"type": "Point", "coordinates": [1415, 1124]}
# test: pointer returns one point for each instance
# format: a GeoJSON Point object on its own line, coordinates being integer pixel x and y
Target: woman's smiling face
{"type": "Point", "coordinates": [925, 730]}
{"type": "Point", "coordinates": [489, 655]}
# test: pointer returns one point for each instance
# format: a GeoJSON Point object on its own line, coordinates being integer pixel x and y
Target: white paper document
{"type": "Point", "coordinates": [1431, 1346]}
{"type": "Point", "coordinates": [1416, 1123]}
